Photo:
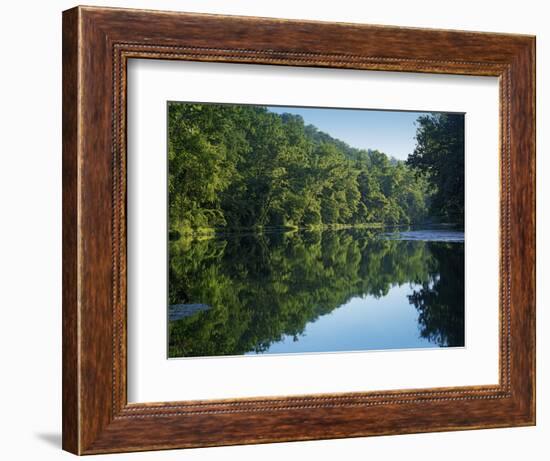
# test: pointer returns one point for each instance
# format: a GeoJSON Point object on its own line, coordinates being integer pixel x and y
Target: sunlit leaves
{"type": "Point", "coordinates": [243, 167]}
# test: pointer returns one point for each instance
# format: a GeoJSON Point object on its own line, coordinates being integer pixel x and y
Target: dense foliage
{"type": "Point", "coordinates": [439, 157]}
{"type": "Point", "coordinates": [263, 286]}
{"type": "Point", "coordinates": [244, 167]}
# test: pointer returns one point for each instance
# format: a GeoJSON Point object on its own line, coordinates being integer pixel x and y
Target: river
{"type": "Point", "coordinates": [316, 291]}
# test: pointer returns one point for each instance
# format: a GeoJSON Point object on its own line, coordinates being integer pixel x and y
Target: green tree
{"type": "Point", "coordinates": [439, 157]}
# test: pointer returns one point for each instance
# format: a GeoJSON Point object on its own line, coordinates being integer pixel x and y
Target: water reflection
{"type": "Point", "coordinates": [314, 292]}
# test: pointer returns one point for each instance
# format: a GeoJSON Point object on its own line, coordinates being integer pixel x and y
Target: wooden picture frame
{"type": "Point", "coordinates": [97, 43]}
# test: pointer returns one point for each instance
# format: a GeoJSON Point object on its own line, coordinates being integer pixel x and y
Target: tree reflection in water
{"type": "Point", "coordinates": [440, 301]}
{"type": "Point", "coordinates": [261, 287]}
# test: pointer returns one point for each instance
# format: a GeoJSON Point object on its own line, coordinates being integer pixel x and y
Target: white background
{"type": "Point", "coordinates": [152, 378]}
{"type": "Point", "coordinates": [30, 243]}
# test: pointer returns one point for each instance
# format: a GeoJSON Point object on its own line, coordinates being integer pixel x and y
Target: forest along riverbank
{"type": "Point", "coordinates": [245, 167]}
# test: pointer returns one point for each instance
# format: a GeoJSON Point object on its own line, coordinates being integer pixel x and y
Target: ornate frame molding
{"type": "Point", "coordinates": [97, 43]}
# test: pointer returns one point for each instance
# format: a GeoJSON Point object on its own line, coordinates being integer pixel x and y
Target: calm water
{"type": "Point", "coordinates": [324, 291]}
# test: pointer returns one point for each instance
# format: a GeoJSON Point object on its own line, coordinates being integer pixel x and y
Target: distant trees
{"type": "Point", "coordinates": [439, 157]}
{"type": "Point", "coordinates": [243, 167]}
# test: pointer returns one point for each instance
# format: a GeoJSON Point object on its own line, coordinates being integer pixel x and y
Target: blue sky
{"type": "Point", "coordinates": [391, 132]}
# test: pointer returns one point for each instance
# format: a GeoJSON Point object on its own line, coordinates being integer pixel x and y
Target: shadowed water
{"type": "Point", "coordinates": [323, 291]}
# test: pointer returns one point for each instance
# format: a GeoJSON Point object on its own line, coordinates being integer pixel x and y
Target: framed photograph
{"type": "Point", "coordinates": [282, 230]}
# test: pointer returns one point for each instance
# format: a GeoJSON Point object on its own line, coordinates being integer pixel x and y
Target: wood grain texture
{"type": "Point", "coordinates": [70, 384]}
{"type": "Point", "coordinates": [97, 42]}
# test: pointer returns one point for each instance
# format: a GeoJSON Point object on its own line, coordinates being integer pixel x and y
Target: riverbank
{"type": "Point", "coordinates": [211, 232]}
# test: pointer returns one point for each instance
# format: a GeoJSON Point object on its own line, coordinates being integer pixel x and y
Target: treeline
{"type": "Point", "coordinates": [243, 167]}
